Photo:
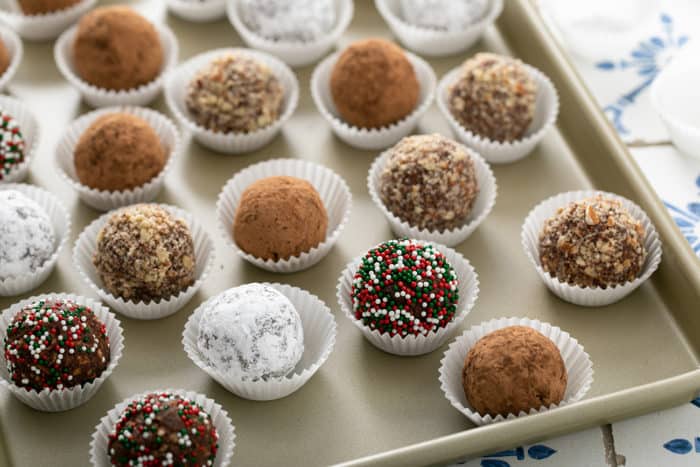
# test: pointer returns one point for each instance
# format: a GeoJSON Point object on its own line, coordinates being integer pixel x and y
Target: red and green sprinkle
{"type": "Point", "coordinates": [12, 145]}
{"type": "Point", "coordinates": [404, 287]}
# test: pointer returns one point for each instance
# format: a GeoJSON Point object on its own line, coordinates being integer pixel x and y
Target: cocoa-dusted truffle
{"type": "Point", "coordinates": [4, 58]}
{"type": "Point", "coordinates": [56, 344]}
{"type": "Point", "coordinates": [373, 84]}
{"type": "Point", "coordinates": [235, 93]}
{"type": "Point", "coordinates": [511, 370]}
{"type": "Point", "coordinates": [117, 48]}
{"type": "Point", "coordinates": [403, 288]}
{"type": "Point", "coordinates": [163, 429]}
{"type": "Point", "coordinates": [493, 97]}
{"type": "Point", "coordinates": [594, 242]}
{"type": "Point", "coordinates": [144, 253]}
{"type": "Point", "coordinates": [40, 7]}
{"type": "Point", "coordinates": [119, 151]}
{"type": "Point", "coordinates": [12, 145]}
{"type": "Point", "coordinates": [429, 181]}
{"type": "Point", "coordinates": [285, 21]}
{"type": "Point", "coordinates": [279, 217]}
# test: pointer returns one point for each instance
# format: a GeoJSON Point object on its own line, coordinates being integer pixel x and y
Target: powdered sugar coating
{"type": "Point", "coordinates": [289, 21]}
{"type": "Point", "coordinates": [252, 332]}
{"type": "Point", "coordinates": [443, 15]}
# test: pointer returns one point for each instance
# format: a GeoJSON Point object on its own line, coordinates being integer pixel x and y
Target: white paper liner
{"type": "Point", "coordinates": [198, 12]}
{"type": "Point", "coordinates": [482, 206]}
{"type": "Point", "coordinates": [295, 54]}
{"type": "Point", "coordinates": [29, 126]}
{"type": "Point", "coordinates": [332, 189]}
{"type": "Point", "coordinates": [414, 345]}
{"type": "Point", "coordinates": [593, 297]}
{"type": "Point", "coordinates": [99, 97]}
{"type": "Point", "coordinates": [59, 400]}
{"type": "Point", "coordinates": [432, 42]}
{"type": "Point", "coordinates": [15, 49]}
{"type": "Point", "coordinates": [375, 138]}
{"type": "Point", "coordinates": [230, 143]}
{"type": "Point", "coordinates": [60, 220]}
{"type": "Point", "coordinates": [46, 26]}
{"type": "Point", "coordinates": [320, 331]}
{"type": "Point", "coordinates": [546, 111]}
{"type": "Point", "coordinates": [85, 248]}
{"type": "Point", "coordinates": [219, 417]}
{"type": "Point", "coordinates": [103, 200]}
{"type": "Point", "coordinates": [578, 366]}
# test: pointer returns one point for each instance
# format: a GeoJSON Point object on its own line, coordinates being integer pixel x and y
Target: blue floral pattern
{"type": "Point", "coordinates": [688, 220]}
{"type": "Point", "coordinates": [536, 452]}
{"type": "Point", "coordinates": [682, 446]}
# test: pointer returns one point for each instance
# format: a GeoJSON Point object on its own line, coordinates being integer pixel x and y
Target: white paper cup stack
{"type": "Point", "coordinates": [29, 126]}
{"type": "Point", "coordinates": [230, 143]}
{"type": "Point", "coordinates": [587, 296]}
{"type": "Point", "coordinates": [546, 111]}
{"type": "Point", "coordinates": [320, 331]}
{"type": "Point", "coordinates": [577, 362]}
{"type": "Point", "coordinates": [198, 12]}
{"type": "Point", "coordinates": [332, 189]}
{"type": "Point", "coordinates": [59, 400]}
{"type": "Point", "coordinates": [103, 200]}
{"type": "Point", "coordinates": [46, 26]}
{"type": "Point", "coordinates": [86, 246]}
{"type": "Point", "coordinates": [15, 49]}
{"type": "Point", "coordinates": [412, 345]}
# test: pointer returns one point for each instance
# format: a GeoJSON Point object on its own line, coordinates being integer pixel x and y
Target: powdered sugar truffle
{"type": "Point", "coordinates": [27, 238]}
{"type": "Point", "coordinates": [443, 15]}
{"type": "Point", "coordinates": [289, 21]}
{"type": "Point", "coordinates": [252, 332]}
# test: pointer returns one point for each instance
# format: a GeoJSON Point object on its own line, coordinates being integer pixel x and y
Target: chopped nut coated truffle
{"type": "Point", "coordinates": [40, 7]}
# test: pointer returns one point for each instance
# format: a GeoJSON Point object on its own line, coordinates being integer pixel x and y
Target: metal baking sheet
{"type": "Point", "coordinates": [365, 406]}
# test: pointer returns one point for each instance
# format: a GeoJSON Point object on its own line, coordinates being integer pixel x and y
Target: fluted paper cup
{"type": "Point", "coordinates": [15, 49]}
{"type": "Point", "coordinates": [432, 42]}
{"type": "Point", "coordinates": [332, 189]}
{"type": "Point", "coordinates": [483, 204]}
{"type": "Point", "coordinates": [60, 221]}
{"type": "Point", "coordinates": [104, 200]}
{"type": "Point", "coordinates": [374, 138]}
{"type": "Point", "coordinates": [320, 332]}
{"type": "Point", "coordinates": [295, 54]}
{"type": "Point", "coordinates": [99, 457]}
{"type": "Point", "coordinates": [100, 97]}
{"type": "Point", "coordinates": [587, 296]}
{"type": "Point", "coordinates": [59, 400]}
{"type": "Point", "coordinates": [230, 143]}
{"type": "Point", "coordinates": [86, 246]}
{"type": "Point", "coordinates": [412, 345]}
{"type": "Point", "coordinates": [577, 362]}
{"type": "Point", "coordinates": [29, 126]}
{"type": "Point", "coordinates": [198, 12]}
{"type": "Point", "coordinates": [46, 26]}
{"type": "Point", "coordinates": [546, 111]}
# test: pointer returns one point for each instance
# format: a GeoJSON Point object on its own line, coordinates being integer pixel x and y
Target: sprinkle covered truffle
{"type": "Point", "coordinates": [403, 287]}
{"type": "Point", "coordinates": [162, 429]}
{"type": "Point", "coordinates": [56, 344]}
{"type": "Point", "coordinates": [289, 21]}
{"type": "Point", "coordinates": [12, 145]}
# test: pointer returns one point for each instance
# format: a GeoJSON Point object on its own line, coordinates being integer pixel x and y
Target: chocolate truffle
{"type": "Point", "coordinates": [511, 370]}
{"type": "Point", "coordinates": [443, 15]}
{"type": "Point", "coordinates": [119, 151]}
{"type": "Point", "coordinates": [144, 253]}
{"type": "Point", "coordinates": [252, 333]}
{"type": "Point", "coordinates": [56, 344]}
{"type": "Point", "coordinates": [594, 242]}
{"type": "Point", "coordinates": [235, 93]}
{"type": "Point", "coordinates": [279, 217]}
{"type": "Point", "coordinates": [285, 21]}
{"type": "Point", "coordinates": [12, 145]}
{"type": "Point", "coordinates": [163, 429]}
{"type": "Point", "coordinates": [373, 84]}
{"type": "Point", "coordinates": [429, 181]}
{"type": "Point", "coordinates": [403, 288]}
{"type": "Point", "coordinates": [494, 97]}
{"type": "Point", "coordinates": [117, 48]}
{"type": "Point", "coordinates": [40, 7]}
{"type": "Point", "coordinates": [4, 58]}
{"type": "Point", "coordinates": [27, 238]}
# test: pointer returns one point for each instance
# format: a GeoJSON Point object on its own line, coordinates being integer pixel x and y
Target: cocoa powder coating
{"type": "Point", "coordinates": [4, 58]}
{"type": "Point", "coordinates": [39, 7]}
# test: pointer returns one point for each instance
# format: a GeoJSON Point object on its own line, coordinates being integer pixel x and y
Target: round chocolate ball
{"type": "Point", "coordinates": [285, 21]}
{"type": "Point", "coordinates": [5, 58]}
{"type": "Point", "coordinates": [279, 217]}
{"type": "Point", "coordinates": [429, 181]}
{"type": "Point", "coordinates": [494, 97]}
{"type": "Point", "coordinates": [511, 370]}
{"type": "Point", "coordinates": [40, 7]}
{"type": "Point", "coordinates": [403, 288]}
{"type": "Point", "coordinates": [12, 145]}
{"type": "Point", "coordinates": [373, 84]}
{"type": "Point", "coordinates": [117, 48]}
{"type": "Point", "coordinates": [144, 253]}
{"type": "Point", "coordinates": [594, 242]}
{"type": "Point", "coordinates": [56, 344]}
{"type": "Point", "coordinates": [163, 429]}
{"type": "Point", "coordinates": [235, 93]}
